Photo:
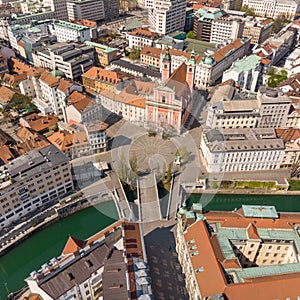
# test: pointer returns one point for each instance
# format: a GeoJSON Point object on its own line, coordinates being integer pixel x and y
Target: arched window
{"type": "Point", "coordinates": [163, 99]}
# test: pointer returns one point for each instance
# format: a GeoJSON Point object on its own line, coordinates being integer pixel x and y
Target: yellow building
{"type": "Point", "coordinates": [104, 55]}
{"type": "Point", "coordinates": [99, 79]}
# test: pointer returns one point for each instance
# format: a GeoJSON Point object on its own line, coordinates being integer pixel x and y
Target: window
{"type": "Point", "coordinates": [163, 99]}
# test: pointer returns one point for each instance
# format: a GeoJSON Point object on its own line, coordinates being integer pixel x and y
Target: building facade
{"type": "Point", "coordinates": [228, 255]}
{"type": "Point", "coordinates": [32, 180]}
{"type": "Point", "coordinates": [71, 59]}
{"type": "Point", "coordinates": [167, 16]}
{"type": "Point", "coordinates": [242, 149]}
{"type": "Point", "coordinates": [70, 32]}
{"type": "Point", "coordinates": [140, 38]}
{"type": "Point", "coordinates": [274, 108]}
{"type": "Point", "coordinates": [86, 9]}
{"type": "Point", "coordinates": [274, 8]}
{"type": "Point", "coordinates": [245, 72]}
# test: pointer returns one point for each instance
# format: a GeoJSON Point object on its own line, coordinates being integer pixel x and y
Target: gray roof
{"type": "Point", "coordinates": [76, 273]}
{"type": "Point", "coordinates": [129, 65]}
{"type": "Point", "coordinates": [243, 139]}
{"type": "Point", "coordinates": [114, 277]}
{"type": "Point", "coordinates": [35, 162]}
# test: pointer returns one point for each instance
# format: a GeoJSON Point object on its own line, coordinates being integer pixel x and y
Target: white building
{"type": "Point", "coordinates": [140, 38]}
{"type": "Point", "coordinates": [85, 9]}
{"type": "Point", "coordinates": [245, 72]}
{"type": "Point", "coordinates": [131, 108]}
{"type": "Point", "coordinates": [212, 66]}
{"type": "Point", "coordinates": [96, 134]}
{"type": "Point", "coordinates": [34, 179]}
{"type": "Point", "coordinates": [274, 108]}
{"type": "Point", "coordinates": [242, 149]}
{"type": "Point", "coordinates": [66, 32]}
{"type": "Point", "coordinates": [226, 28]}
{"type": "Point", "coordinates": [167, 16]}
{"type": "Point", "coordinates": [72, 59]}
{"type": "Point", "coordinates": [292, 63]}
{"type": "Point", "coordinates": [231, 108]}
{"type": "Point", "coordinates": [274, 8]}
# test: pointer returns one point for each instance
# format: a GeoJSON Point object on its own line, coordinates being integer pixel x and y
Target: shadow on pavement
{"type": "Point", "coordinates": [167, 279]}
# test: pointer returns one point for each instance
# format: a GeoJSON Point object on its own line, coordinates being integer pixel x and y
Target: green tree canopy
{"type": "Point", "coordinates": [134, 54]}
{"type": "Point", "coordinates": [276, 77]}
{"type": "Point", "coordinates": [248, 10]}
{"type": "Point", "coordinates": [191, 35]}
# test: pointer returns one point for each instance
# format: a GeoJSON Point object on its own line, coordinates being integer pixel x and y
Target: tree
{"type": "Point", "coordinates": [19, 102]}
{"type": "Point", "coordinates": [133, 163]}
{"type": "Point", "coordinates": [169, 174]}
{"type": "Point", "coordinates": [250, 11]}
{"type": "Point", "coordinates": [279, 23]}
{"type": "Point", "coordinates": [134, 54]}
{"type": "Point", "coordinates": [191, 35]}
{"type": "Point", "coordinates": [157, 172]}
{"type": "Point", "coordinates": [295, 169]}
{"type": "Point", "coordinates": [123, 169]}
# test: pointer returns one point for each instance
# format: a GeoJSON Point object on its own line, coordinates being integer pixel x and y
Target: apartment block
{"type": "Point", "coordinates": [104, 55]}
{"type": "Point", "coordinates": [228, 107]}
{"type": "Point", "coordinates": [167, 16]}
{"type": "Point", "coordinates": [241, 149]}
{"type": "Point", "coordinates": [291, 138]}
{"type": "Point", "coordinates": [275, 48]}
{"type": "Point", "coordinates": [86, 9]}
{"type": "Point", "coordinates": [32, 16]}
{"type": "Point", "coordinates": [274, 108]}
{"type": "Point", "coordinates": [203, 19]}
{"type": "Point", "coordinates": [70, 58]}
{"type": "Point", "coordinates": [96, 134]}
{"type": "Point", "coordinates": [99, 79]}
{"type": "Point", "coordinates": [232, 255]}
{"type": "Point", "coordinates": [151, 57]}
{"type": "Point", "coordinates": [226, 28]}
{"type": "Point", "coordinates": [111, 9]}
{"type": "Point", "coordinates": [70, 32]}
{"type": "Point", "coordinates": [140, 38]}
{"type": "Point", "coordinates": [274, 8]}
{"type": "Point", "coordinates": [59, 7]}
{"type": "Point", "coordinates": [31, 181]}
{"type": "Point", "coordinates": [246, 72]}
{"type": "Point", "coordinates": [213, 64]}
{"type": "Point", "coordinates": [257, 29]}
{"type": "Point", "coordinates": [109, 265]}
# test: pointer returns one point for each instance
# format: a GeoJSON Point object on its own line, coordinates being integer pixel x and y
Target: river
{"type": "Point", "coordinates": [32, 253]}
{"type": "Point", "coordinates": [229, 202]}
{"type": "Point", "coordinates": [16, 265]}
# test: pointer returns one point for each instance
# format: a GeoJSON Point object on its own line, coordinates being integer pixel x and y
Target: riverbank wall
{"type": "Point", "coordinates": [47, 222]}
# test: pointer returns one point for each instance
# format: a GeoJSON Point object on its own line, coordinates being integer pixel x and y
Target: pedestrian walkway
{"type": "Point", "coordinates": [149, 202]}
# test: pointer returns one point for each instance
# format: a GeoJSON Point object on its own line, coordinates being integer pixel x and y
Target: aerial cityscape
{"type": "Point", "coordinates": [150, 149]}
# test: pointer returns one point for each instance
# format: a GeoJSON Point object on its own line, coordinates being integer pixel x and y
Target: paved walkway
{"type": "Point", "coordinates": [168, 282]}
{"type": "Point", "coordinates": [150, 209]}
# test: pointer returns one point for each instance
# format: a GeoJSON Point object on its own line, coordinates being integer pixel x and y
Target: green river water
{"type": "Point", "coordinates": [32, 253]}
{"type": "Point", "coordinates": [40, 248]}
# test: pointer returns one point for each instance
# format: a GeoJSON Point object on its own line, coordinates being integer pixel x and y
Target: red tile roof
{"type": "Point", "coordinates": [73, 245]}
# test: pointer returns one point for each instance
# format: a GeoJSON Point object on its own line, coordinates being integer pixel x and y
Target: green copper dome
{"type": "Point", "coordinates": [208, 60]}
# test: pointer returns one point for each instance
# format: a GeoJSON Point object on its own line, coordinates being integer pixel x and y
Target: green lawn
{"type": "Point", "coordinates": [294, 185]}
